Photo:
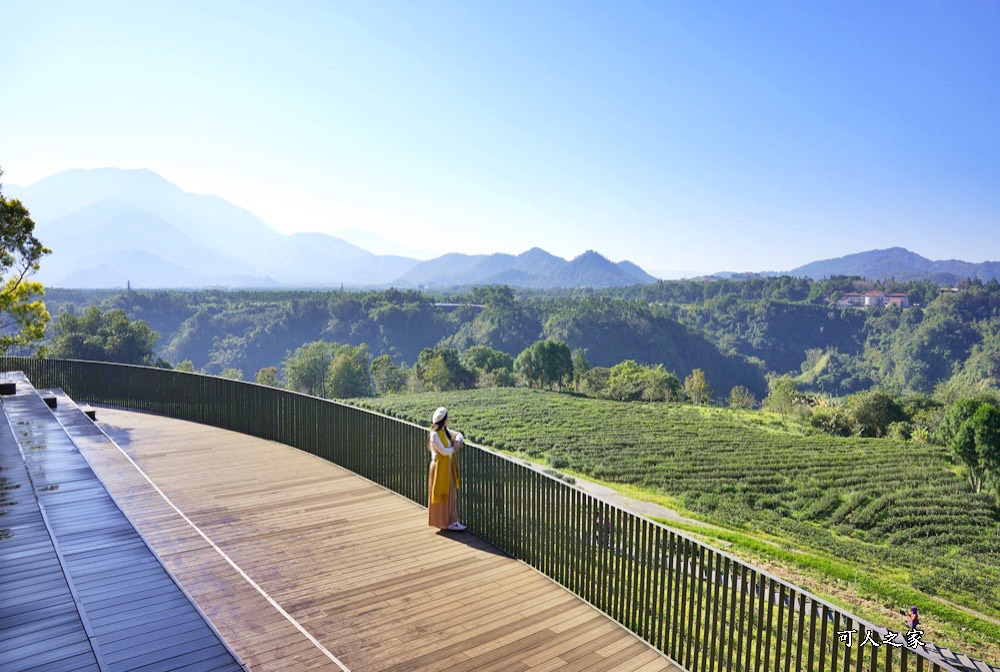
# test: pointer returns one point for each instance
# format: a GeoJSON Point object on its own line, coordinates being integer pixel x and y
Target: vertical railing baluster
{"type": "Point", "coordinates": [649, 574]}
{"type": "Point", "coordinates": [741, 624]}
{"type": "Point", "coordinates": [778, 630]}
{"type": "Point", "coordinates": [704, 617]}
{"type": "Point", "coordinates": [726, 605]}
{"type": "Point", "coordinates": [834, 639]}
{"type": "Point", "coordinates": [847, 649]}
{"type": "Point", "coordinates": [667, 538]}
{"type": "Point", "coordinates": [680, 592]}
{"type": "Point", "coordinates": [751, 636]}
{"type": "Point", "coordinates": [630, 577]}
{"type": "Point", "coordinates": [764, 628]}
{"type": "Point", "coordinates": [660, 580]}
{"type": "Point", "coordinates": [859, 663]}
{"type": "Point", "coordinates": [801, 636]}
{"type": "Point", "coordinates": [681, 633]}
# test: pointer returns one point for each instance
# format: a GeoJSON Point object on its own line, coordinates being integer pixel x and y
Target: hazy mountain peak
{"type": "Point", "coordinates": [592, 258]}
{"type": "Point", "coordinates": [536, 252]}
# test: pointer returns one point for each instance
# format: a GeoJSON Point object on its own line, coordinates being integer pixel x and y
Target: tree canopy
{"type": "Point", "coordinates": [22, 313]}
{"type": "Point", "coordinates": [441, 368]}
{"type": "Point", "coordinates": [306, 368]}
{"type": "Point", "coordinates": [547, 362]}
{"type": "Point", "coordinates": [735, 331]}
{"type": "Point", "coordinates": [975, 440]}
{"type": "Point", "coordinates": [105, 337]}
{"type": "Point", "coordinates": [327, 369]}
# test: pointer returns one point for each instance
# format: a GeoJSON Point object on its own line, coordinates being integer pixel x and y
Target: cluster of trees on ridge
{"type": "Point", "coordinates": [737, 332]}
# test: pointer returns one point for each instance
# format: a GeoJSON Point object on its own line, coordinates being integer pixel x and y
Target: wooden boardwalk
{"type": "Point", "coordinates": [302, 565]}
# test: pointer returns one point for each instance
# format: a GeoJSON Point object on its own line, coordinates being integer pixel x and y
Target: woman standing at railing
{"type": "Point", "coordinates": [443, 482]}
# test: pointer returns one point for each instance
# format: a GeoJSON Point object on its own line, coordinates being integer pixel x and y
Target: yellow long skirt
{"type": "Point", "coordinates": [445, 512]}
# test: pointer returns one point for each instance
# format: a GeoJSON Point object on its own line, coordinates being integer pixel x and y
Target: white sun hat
{"type": "Point", "coordinates": [439, 415]}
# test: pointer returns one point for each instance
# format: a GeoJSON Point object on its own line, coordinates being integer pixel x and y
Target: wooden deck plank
{"type": "Point", "coordinates": [354, 564]}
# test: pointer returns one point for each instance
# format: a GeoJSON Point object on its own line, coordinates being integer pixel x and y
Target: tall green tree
{"type": "Point", "coordinates": [493, 368]}
{"type": "Point", "coordinates": [872, 412]}
{"type": "Point", "coordinates": [580, 367]}
{"type": "Point", "coordinates": [547, 362]}
{"type": "Point", "coordinates": [957, 413]}
{"type": "Point", "coordinates": [783, 394]}
{"type": "Point", "coordinates": [103, 337]}
{"type": "Point", "coordinates": [350, 373]}
{"type": "Point", "coordinates": [22, 313]}
{"type": "Point", "coordinates": [696, 388]}
{"type": "Point", "coordinates": [485, 359]}
{"type": "Point", "coordinates": [977, 445]}
{"type": "Point", "coordinates": [504, 323]}
{"type": "Point", "coordinates": [741, 397]}
{"type": "Point", "coordinates": [267, 376]}
{"type": "Point", "coordinates": [658, 384]}
{"type": "Point", "coordinates": [327, 369]}
{"type": "Point", "coordinates": [441, 369]}
{"type": "Point", "coordinates": [387, 376]}
{"type": "Point", "coordinates": [625, 382]}
{"type": "Point", "coordinates": [306, 369]}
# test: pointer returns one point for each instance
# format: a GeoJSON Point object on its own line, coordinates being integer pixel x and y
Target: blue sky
{"type": "Point", "coordinates": [685, 136]}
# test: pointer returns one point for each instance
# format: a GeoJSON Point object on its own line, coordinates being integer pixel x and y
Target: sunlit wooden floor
{"type": "Point", "coordinates": [346, 570]}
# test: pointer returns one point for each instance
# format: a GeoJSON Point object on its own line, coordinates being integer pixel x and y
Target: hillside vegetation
{"type": "Point", "coordinates": [736, 331]}
{"type": "Point", "coordinates": [248, 331]}
{"type": "Point", "coordinates": [895, 511]}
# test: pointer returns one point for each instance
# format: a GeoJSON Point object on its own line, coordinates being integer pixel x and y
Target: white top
{"type": "Point", "coordinates": [438, 447]}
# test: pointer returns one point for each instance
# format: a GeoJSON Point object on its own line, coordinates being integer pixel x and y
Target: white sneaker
{"type": "Point", "coordinates": [456, 527]}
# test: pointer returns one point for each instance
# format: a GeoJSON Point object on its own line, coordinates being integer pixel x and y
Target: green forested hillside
{"type": "Point", "coordinates": [896, 511]}
{"type": "Point", "coordinates": [947, 335]}
{"type": "Point", "coordinates": [735, 330]}
{"type": "Point", "coordinates": [219, 330]}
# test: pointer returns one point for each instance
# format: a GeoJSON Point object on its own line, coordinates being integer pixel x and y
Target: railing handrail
{"type": "Point", "coordinates": [732, 565]}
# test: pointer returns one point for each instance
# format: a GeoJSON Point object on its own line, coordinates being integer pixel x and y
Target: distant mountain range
{"type": "Point", "coordinates": [535, 268]}
{"type": "Point", "coordinates": [109, 226]}
{"type": "Point", "coordinates": [893, 263]}
{"type": "Point", "coordinates": [898, 263]}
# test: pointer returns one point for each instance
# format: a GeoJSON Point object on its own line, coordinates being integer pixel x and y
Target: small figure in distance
{"type": "Point", "coordinates": [913, 619]}
{"type": "Point", "coordinates": [442, 480]}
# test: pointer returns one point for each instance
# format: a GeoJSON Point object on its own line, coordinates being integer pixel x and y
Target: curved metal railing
{"type": "Point", "coordinates": [702, 607]}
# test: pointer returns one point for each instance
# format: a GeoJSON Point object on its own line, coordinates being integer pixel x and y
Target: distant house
{"type": "Point", "coordinates": [901, 300]}
{"type": "Point", "coordinates": [851, 299]}
{"type": "Point", "coordinates": [872, 299]}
